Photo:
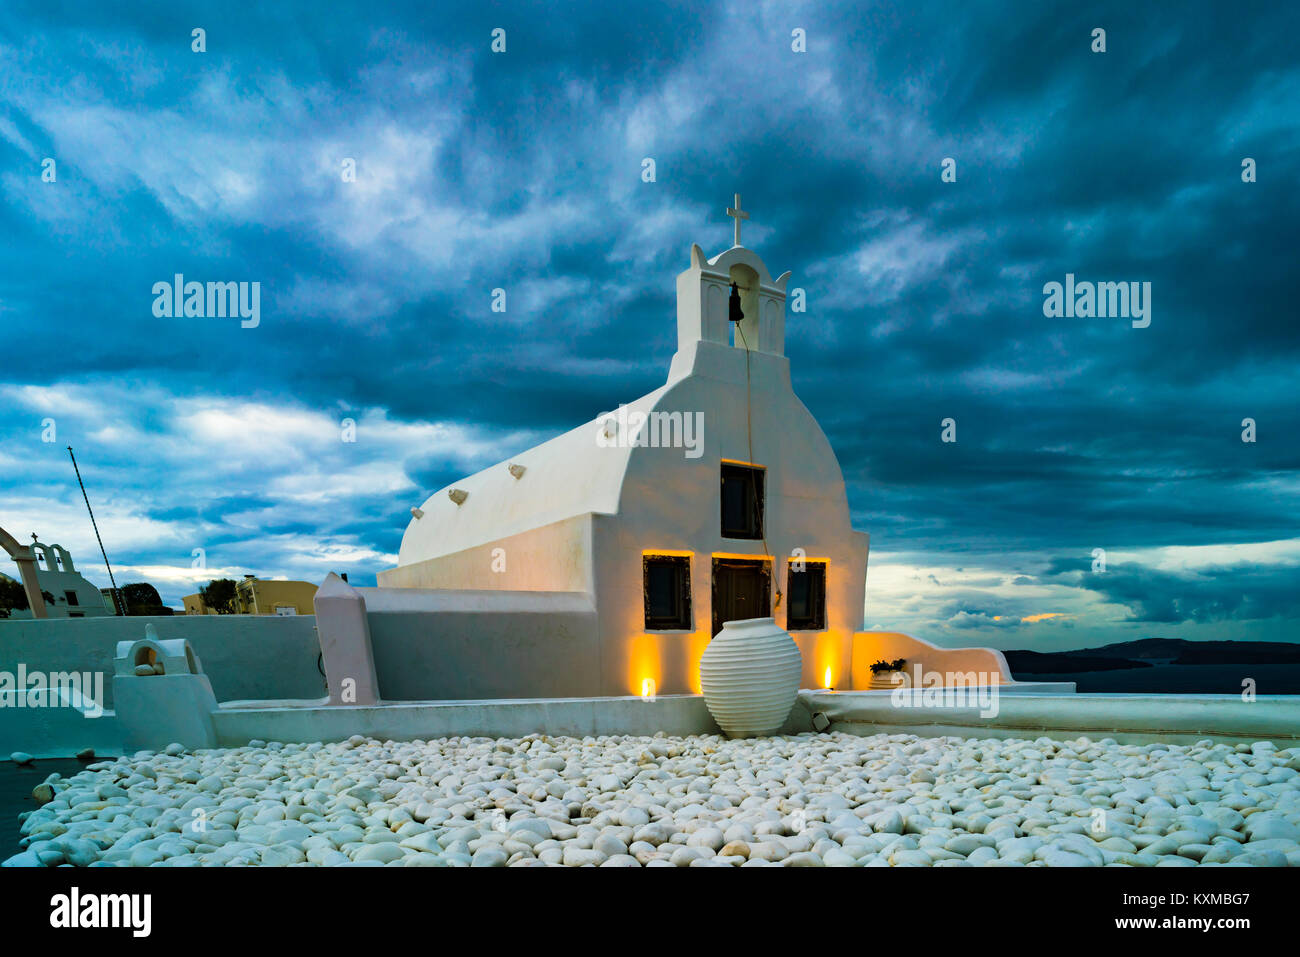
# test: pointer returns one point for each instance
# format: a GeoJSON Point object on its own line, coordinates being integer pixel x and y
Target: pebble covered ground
{"type": "Point", "coordinates": [806, 800]}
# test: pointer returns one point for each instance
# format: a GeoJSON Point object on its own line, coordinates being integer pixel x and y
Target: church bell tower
{"type": "Point", "coordinates": [704, 290]}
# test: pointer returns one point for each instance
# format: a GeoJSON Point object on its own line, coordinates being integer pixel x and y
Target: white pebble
{"type": "Point", "coordinates": [705, 801]}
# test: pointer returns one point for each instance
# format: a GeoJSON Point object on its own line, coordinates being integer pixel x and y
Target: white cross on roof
{"type": "Point", "coordinates": [737, 214]}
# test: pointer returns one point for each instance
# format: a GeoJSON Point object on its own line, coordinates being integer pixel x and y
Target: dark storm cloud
{"type": "Point", "coordinates": [1216, 592]}
{"type": "Point", "coordinates": [522, 171]}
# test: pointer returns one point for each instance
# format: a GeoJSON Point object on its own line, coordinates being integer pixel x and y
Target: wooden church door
{"type": "Point", "coordinates": [741, 589]}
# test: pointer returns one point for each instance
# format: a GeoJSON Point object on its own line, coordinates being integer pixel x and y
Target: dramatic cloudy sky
{"type": "Point", "coordinates": [522, 170]}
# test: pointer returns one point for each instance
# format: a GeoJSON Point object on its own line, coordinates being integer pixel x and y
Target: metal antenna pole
{"type": "Point", "coordinates": [117, 598]}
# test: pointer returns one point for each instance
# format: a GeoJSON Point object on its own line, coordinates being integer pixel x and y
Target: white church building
{"type": "Point", "coordinates": [715, 497]}
{"type": "Point", "coordinates": [74, 595]}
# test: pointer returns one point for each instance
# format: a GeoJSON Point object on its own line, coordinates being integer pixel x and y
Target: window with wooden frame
{"type": "Point", "coordinates": [742, 501]}
{"type": "Point", "coordinates": [805, 608]}
{"type": "Point", "coordinates": [667, 583]}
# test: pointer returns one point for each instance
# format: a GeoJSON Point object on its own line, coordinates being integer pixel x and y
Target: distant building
{"type": "Point", "coordinates": [262, 596]}
{"type": "Point", "coordinates": [74, 595]}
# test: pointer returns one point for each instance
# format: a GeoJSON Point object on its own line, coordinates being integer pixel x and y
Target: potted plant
{"type": "Point", "coordinates": [887, 675]}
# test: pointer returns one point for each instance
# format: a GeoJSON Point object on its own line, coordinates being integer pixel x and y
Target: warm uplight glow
{"type": "Point", "coordinates": [694, 649]}
{"type": "Point", "coordinates": [828, 679]}
{"type": "Point", "coordinates": [647, 688]}
{"type": "Point", "coordinates": [644, 664]}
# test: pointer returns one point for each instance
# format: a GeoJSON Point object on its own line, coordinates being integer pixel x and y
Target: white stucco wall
{"type": "Point", "coordinates": [442, 644]}
{"type": "Point", "coordinates": [670, 503]}
{"type": "Point", "coordinates": [873, 646]}
{"type": "Point", "coordinates": [552, 557]}
{"type": "Point", "coordinates": [244, 656]}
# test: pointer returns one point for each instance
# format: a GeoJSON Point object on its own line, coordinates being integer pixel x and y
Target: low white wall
{"type": "Point", "coordinates": [432, 645]}
{"type": "Point", "coordinates": [244, 656]}
{"type": "Point", "coordinates": [672, 714]}
{"type": "Point", "coordinates": [1173, 719]}
{"type": "Point", "coordinates": [873, 646]}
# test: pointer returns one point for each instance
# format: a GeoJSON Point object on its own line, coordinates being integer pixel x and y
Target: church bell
{"type": "Point", "coordinates": [733, 305]}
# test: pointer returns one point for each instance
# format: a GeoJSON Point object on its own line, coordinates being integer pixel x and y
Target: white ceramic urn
{"type": "Point", "coordinates": [749, 674]}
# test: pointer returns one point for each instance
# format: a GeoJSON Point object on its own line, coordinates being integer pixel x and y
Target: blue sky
{"type": "Point", "coordinates": [522, 170]}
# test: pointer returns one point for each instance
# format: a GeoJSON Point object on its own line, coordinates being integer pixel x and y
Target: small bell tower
{"type": "Point", "coordinates": [704, 299]}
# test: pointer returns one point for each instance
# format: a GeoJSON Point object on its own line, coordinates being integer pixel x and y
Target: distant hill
{"type": "Point", "coordinates": [1141, 648]}
{"type": "Point", "coordinates": [1142, 652]}
{"type": "Point", "coordinates": [1240, 652]}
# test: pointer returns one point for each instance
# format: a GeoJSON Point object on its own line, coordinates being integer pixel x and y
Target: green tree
{"type": "Point", "coordinates": [219, 595]}
{"type": "Point", "coordinates": [13, 597]}
{"type": "Point", "coordinates": [141, 598]}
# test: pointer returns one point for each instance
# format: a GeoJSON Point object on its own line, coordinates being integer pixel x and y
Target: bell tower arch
{"type": "Point", "coordinates": [704, 293]}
